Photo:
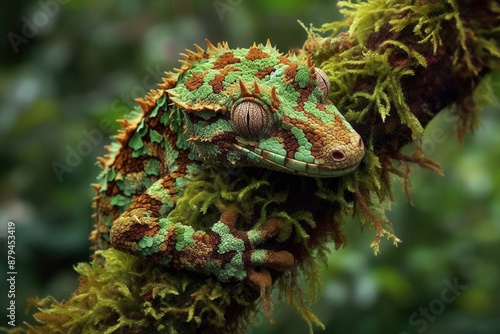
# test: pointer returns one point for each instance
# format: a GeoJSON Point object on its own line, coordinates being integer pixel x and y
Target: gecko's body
{"type": "Point", "coordinates": [226, 107]}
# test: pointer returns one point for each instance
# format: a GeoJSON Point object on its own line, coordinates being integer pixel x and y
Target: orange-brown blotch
{"type": "Point", "coordinates": [195, 82]}
{"type": "Point", "coordinates": [218, 82]}
{"type": "Point", "coordinates": [261, 74]}
{"type": "Point", "coordinates": [256, 53]}
{"type": "Point", "coordinates": [224, 60]}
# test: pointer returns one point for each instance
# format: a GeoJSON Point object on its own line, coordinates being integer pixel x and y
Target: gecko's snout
{"type": "Point", "coordinates": [349, 154]}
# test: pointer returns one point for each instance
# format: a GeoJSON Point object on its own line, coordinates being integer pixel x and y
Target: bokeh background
{"type": "Point", "coordinates": [68, 68]}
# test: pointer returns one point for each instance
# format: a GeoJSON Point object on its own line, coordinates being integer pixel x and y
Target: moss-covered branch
{"type": "Point", "coordinates": [393, 66]}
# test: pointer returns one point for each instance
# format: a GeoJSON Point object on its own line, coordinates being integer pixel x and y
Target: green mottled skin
{"type": "Point", "coordinates": [226, 107]}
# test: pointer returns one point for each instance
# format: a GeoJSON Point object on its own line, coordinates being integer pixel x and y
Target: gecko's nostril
{"type": "Point", "coordinates": [338, 155]}
{"type": "Point", "coordinates": [360, 143]}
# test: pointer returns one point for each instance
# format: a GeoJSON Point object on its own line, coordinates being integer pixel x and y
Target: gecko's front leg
{"type": "Point", "coordinates": [224, 251]}
{"type": "Point", "coordinates": [251, 263]}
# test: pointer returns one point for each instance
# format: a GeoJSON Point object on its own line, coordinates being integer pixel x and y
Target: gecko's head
{"type": "Point", "coordinates": [257, 107]}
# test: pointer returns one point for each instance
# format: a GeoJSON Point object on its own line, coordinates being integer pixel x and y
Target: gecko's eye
{"type": "Point", "coordinates": [250, 119]}
{"type": "Point", "coordinates": [323, 82]}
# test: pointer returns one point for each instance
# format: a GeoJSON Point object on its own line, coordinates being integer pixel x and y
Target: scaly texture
{"type": "Point", "coordinates": [224, 107]}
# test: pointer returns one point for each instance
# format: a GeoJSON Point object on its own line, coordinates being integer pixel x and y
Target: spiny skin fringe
{"type": "Point", "coordinates": [102, 161]}
{"type": "Point", "coordinates": [210, 46]}
{"type": "Point", "coordinates": [124, 122]}
{"type": "Point", "coordinates": [244, 90]}
{"type": "Point", "coordinates": [256, 89]}
{"type": "Point", "coordinates": [144, 104]}
{"type": "Point", "coordinates": [312, 68]}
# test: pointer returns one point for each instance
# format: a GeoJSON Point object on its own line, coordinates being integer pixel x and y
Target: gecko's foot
{"type": "Point", "coordinates": [261, 279]}
{"type": "Point", "coordinates": [248, 262]}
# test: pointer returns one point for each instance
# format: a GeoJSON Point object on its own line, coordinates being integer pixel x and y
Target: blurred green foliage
{"type": "Point", "coordinates": [69, 68]}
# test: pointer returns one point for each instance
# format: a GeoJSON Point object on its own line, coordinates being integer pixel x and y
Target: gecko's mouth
{"type": "Point", "coordinates": [281, 163]}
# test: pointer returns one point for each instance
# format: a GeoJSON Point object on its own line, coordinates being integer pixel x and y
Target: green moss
{"type": "Point", "coordinates": [125, 295]}
{"type": "Point", "coordinates": [385, 43]}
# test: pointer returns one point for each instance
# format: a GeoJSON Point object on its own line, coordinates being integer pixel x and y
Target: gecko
{"type": "Point", "coordinates": [224, 107]}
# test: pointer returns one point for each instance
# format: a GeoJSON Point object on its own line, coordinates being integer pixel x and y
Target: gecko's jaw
{"type": "Point", "coordinates": [271, 160]}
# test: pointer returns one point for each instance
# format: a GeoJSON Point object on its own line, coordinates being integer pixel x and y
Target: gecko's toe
{"type": "Point", "coordinates": [230, 216]}
{"type": "Point", "coordinates": [260, 280]}
{"type": "Point", "coordinates": [280, 261]}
